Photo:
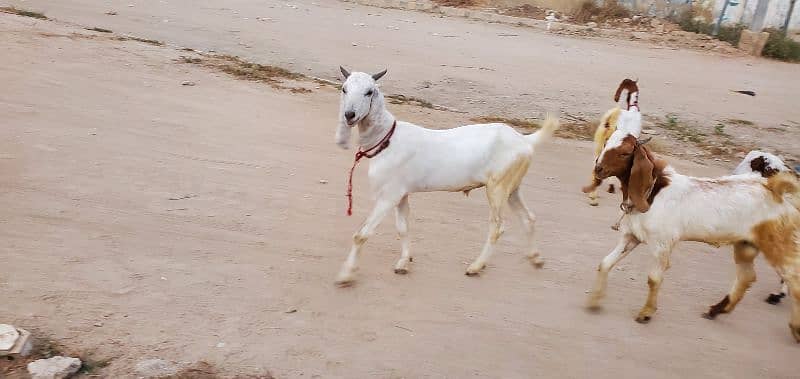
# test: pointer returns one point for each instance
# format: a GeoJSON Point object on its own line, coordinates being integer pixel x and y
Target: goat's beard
{"type": "Point", "coordinates": [343, 134]}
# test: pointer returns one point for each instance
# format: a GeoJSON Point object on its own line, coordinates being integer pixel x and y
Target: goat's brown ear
{"type": "Point", "coordinates": [641, 181]}
{"type": "Point", "coordinates": [626, 84]}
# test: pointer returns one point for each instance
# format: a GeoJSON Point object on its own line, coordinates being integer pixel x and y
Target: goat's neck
{"type": "Point", "coordinates": [374, 127]}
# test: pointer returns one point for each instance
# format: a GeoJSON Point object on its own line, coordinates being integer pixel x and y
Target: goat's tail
{"type": "Point", "coordinates": [549, 127]}
{"type": "Point", "coordinates": [785, 183]}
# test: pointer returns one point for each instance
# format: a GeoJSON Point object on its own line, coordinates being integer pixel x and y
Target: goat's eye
{"type": "Point", "coordinates": [369, 93]}
{"type": "Point", "coordinates": [344, 90]}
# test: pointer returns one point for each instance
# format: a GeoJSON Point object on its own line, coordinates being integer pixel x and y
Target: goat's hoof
{"type": "Point", "coordinates": [594, 203]}
{"type": "Point", "coordinates": [774, 299]}
{"type": "Point", "coordinates": [474, 269]}
{"type": "Point", "coordinates": [795, 332]}
{"type": "Point", "coordinates": [536, 260]}
{"type": "Point", "coordinates": [401, 271]}
{"type": "Point", "coordinates": [709, 316]}
{"type": "Point", "coordinates": [345, 280]}
{"type": "Point", "coordinates": [643, 319]}
{"type": "Point", "coordinates": [345, 283]}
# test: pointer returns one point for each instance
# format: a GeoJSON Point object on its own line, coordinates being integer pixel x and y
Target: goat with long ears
{"type": "Point", "coordinates": [406, 158]}
{"type": "Point", "coordinates": [752, 213]}
{"type": "Point", "coordinates": [608, 124]}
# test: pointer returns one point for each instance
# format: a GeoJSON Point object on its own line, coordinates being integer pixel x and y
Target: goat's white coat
{"type": "Point", "coordinates": [423, 160]}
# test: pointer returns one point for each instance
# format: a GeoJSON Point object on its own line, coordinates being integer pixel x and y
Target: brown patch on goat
{"type": "Point", "coordinates": [641, 174]}
{"type": "Point", "coordinates": [779, 240]}
{"type": "Point", "coordinates": [782, 183]}
{"type": "Point", "coordinates": [761, 165]}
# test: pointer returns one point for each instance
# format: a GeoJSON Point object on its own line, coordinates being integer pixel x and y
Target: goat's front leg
{"type": "Point", "coordinates": [662, 254]}
{"type": "Point", "coordinates": [625, 245]}
{"type": "Point", "coordinates": [402, 230]}
{"type": "Point", "coordinates": [591, 190]}
{"type": "Point", "coordinates": [382, 206]}
{"type": "Point", "coordinates": [743, 253]}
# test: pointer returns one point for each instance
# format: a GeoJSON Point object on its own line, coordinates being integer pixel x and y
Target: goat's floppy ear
{"type": "Point", "coordinates": [641, 181]}
{"type": "Point", "coordinates": [344, 72]}
{"type": "Point", "coordinates": [379, 75]}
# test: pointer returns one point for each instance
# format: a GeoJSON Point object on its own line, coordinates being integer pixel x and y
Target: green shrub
{"type": "Point", "coordinates": [781, 47]}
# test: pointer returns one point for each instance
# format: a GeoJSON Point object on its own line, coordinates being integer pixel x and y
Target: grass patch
{"type": "Point", "coordinates": [409, 100]}
{"type": "Point", "coordinates": [781, 47]}
{"type": "Point", "coordinates": [567, 129]}
{"type": "Point", "coordinates": [688, 21]}
{"type": "Point", "coordinates": [456, 3]}
{"type": "Point", "coordinates": [241, 69]}
{"type": "Point", "coordinates": [23, 12]}
{"type": "Point", "coordinates": [515, 122]}
{"type": "Point", "coordinates": [100, 30]}
{"type": "Point", "coordinates": [719, 130]}
{"type": "Point", "coordinates": [680, 130]}
{"type": "Point", "coordinates": [590, 11]}
{"type": "Point", "coordinates": [736, 121]}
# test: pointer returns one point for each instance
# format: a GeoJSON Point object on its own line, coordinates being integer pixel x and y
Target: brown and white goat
{"type": "Point", "coordinates": [607, 126]}
{"type": "Point", "coordinates": [750, 212]}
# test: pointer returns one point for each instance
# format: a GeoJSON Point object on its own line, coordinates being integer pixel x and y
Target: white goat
{"type": "Point", "coordinates": [664, 207]}
{"type": "Point", "coordinates": [766, 165]}
{"type": "Point", "coordinates": [408, 158]}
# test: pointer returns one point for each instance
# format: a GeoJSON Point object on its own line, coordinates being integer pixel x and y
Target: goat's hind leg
{"type": "Point", "coordinates": [497, 198]}
{"type": "Point", "coordinates": [383, 205]}
{"type": "Point", "coordinates": [625, 245]}
{"type": "Point", "coordinates": [402, 230]}
{"type": "Point", "coordinates": [528, 219]}
{"type": "Point", "coordinates": [792, 279]}
{"type": "Point", "coordinates": [743, 253]}
{"type": "Point", "coordinates": [775, 298]}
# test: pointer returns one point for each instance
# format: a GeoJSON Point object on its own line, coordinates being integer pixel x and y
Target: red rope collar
{"type": "Point", "coordinates": [368, 153]}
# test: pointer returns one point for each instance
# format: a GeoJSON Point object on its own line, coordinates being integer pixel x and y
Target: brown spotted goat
{"type": "Point", "coordinates": [607, 126]}
{"type": "Point", "coordinates": [750, 212]}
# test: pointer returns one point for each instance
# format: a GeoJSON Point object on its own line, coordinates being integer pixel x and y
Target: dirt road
{"type": "Point", "coordinates": [471, 66]}
{"type": "Point", "coordinates": [143, 218]}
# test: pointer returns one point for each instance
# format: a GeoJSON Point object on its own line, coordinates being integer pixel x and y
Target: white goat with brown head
{"type": "Point", "coordinates": [407, 158]}
{"type": "Point", "coordinates": [607, 127]}
{"type": "Point", "coordinates": [750, 212]}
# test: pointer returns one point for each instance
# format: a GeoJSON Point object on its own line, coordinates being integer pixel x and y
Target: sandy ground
{"type": "Point", "coordinates": [479, 68]}
{"type": "Point", "coordinates": [99, 135]}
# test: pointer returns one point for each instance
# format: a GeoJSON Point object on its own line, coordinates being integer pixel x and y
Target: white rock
{"type": "Point", "coordinates": [57, 367]}
{"type": "Point", "coordinates": [155, 368]}
{"type": "Point", "coordinates": [8, 336]}
{"type": "Point", "coordinates": [591, 24]}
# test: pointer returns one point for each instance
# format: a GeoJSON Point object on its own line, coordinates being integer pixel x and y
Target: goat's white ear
{"type": "Point", "coordinates": [379, 75]}
{"type": "Point", "coordinates": [344, 72]}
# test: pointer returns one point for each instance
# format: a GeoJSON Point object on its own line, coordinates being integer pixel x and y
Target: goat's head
{"type": "Point", "coordinates": [627, 158]}
{"type": "Point", "coordinates": [359, 92]}
{"type": "Point", "coordinates": [632, 89]}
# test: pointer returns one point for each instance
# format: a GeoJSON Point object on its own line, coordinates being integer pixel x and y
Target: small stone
{"type": "Point", "coordinates": [57, 367]}
{"type": "Point", "coordinates": [98, 324]}
{"type": "Point", "coordinates": [155, 368]}
{"type": "Point", "coordinates": [591, 24]}
{"type": "Point", "coordinates": [650, 131]}
{"type": "Point", "coordinates": [626, 20]}
{"type": "Point", "coordinates": [323, 181]}
{"type": "Point", "coordinates": [291, 310]}
{"type": "Point", "coordinates": [188, 83]}
{"type": "Point", "coordinates": [221, 345]}
{"type": "Point", "coordinates": [355, 44]}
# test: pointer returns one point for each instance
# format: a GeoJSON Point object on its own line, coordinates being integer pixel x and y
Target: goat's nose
{"type": "Point", "coordinates": [349, 115]}
{"type": "Point", "coordinates": [597, 169]}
